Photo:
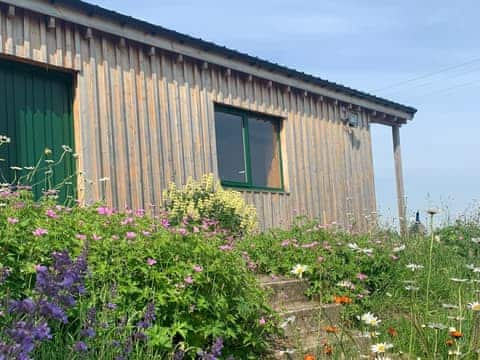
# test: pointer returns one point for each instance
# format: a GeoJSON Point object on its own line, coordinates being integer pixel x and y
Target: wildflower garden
{"type": "Point", "coordinates": [181, 282]}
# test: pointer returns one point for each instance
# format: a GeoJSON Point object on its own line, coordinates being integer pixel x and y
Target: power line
{"type": "Point", "coordinates": [433, 81]}
{"type": "Point", "coordinates": [448, 89]}
{"type": "Point", "coordinates": [448, 68]}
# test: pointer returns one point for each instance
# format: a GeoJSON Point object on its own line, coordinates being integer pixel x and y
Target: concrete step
{"type": "Point", "coordinates": [283, 291]}
{"type": "Point", "coordinates": [324, 346]}
{"type": "Point", "coordinates": [304, 317]}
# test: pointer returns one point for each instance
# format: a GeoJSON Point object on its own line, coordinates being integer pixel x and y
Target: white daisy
{"type": "Point", "coordinates": [299, 269]}
{"type": "Point", "coordinates": [474, 306]}
{"type": "Point", "coordinates": [398, 248]}
{"type": "Point", "coordinates": [370, 319]}
{"type": "Point", "coordinates": [414, 267]}
{"type": "Point", "coordinates": [381, 348]}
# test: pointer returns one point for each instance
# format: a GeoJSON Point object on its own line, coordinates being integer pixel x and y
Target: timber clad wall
{"type": "Point", "coordinates": [144, 120]}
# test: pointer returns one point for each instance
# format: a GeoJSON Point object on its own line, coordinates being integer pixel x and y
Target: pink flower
{"type": "Point", "coordinates": [51, 214]}
{"type": "Point", "coordinates": [188, 280]}
{"type": "Point", "coordinates": [311, 245]}
{"type": "Point", "coordinates": [262, 321]}
{"type": "Point", "coordinates": [362, 277]}
{"type": "Point", "coordinates": [182, 231]}
{"type": "Point", "coordinates": [115, 237]}
{"type": "Point", "coordinates": [226, 247]}
{"type": "Point", "coordinates": [126, 221]}
{"type": "Point", "coordinates": [130, 235]}
{"type": "Point", "coordinates": [81, 237]}
{"type": "Point", "coordinates": [39, 232]}
{"type": "Point", "coordinates": [140, 212]}
{"type": "Point", "coordinates": [96, 237]}
{"type": "Point", "coordinates": [165, 223]}
{"type": "Point", "coordinates": [12, 220]}
{"type": "Point", "coordinates": [103, 210]}
{"type": "Point", "coordinates": [394, 257]}
{"type": "Point", "coordinates": [197, 268]}
{"type": "Point", "coordinates": [196, 229]}
{"type": "Point", "coordinates": [146, 233]}
{"type": "Point", "coordinates": [151, 262]}
{"type": "Point", "coordinates": [285, 243]}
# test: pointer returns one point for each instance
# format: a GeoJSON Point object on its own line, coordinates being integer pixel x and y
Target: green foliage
{"type": "Point", "coordinates": [200, 292]}
{"type": "Point", "coordinates": [205, 199]}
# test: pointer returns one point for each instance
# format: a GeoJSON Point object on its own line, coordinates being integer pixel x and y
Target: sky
{"type": "Point", "coordinates": [420, 53]}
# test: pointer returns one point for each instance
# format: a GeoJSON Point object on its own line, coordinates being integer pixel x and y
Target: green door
{"type": "Point", "coordinates": [36, 114]}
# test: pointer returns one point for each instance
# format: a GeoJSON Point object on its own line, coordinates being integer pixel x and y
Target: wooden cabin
{"type": "Point", "coordinates": [142, 106]}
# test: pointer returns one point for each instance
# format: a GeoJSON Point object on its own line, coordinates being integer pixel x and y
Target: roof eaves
{"type": "Point", "coordinates": [232, 53]}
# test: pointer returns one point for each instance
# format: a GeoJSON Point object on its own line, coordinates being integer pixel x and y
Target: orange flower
{"type": "Point", "coordinates": [331, 329]}
{"type": "Point", "coordinates": [327, 349]}
{"type": "Point", "coordinates": [342, 300]}
{"type": "Point", "coordinates": [392, 332]}
{"type": "Point", "coordinates": [456, 334]}
{"type": "Point", "coordinates": [450, 342]}
{"type": "Point", "coordinates": [309, 357]}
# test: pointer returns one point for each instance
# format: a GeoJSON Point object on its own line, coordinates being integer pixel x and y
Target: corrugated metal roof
{"type": "Point", "coordinates": [231, 53]}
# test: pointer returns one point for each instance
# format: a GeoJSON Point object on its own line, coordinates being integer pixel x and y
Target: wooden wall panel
{"type": "Point", "coordinates": [143, 120]}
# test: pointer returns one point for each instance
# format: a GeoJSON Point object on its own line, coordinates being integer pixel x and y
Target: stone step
{"type": "Point", "coordinates": [304, 317]}
{"type": "Point", "coordinates": [283, 290]}
{"type": "Point", "coordinates": [341, 346]}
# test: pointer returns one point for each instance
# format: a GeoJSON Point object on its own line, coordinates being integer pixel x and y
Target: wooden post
{"type": "Point", "coordinates": [397, 156]}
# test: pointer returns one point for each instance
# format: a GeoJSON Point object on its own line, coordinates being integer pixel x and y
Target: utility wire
{"type": "Point", "coordinates": [448, 89]}
{"type": "Point", "coordinates": [427, 83]}
{"type": "Point", "coordinates": [427, 75]}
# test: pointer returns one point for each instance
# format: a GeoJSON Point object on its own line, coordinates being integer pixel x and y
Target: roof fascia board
{"type": "Point", "coordinates": [106, 25]}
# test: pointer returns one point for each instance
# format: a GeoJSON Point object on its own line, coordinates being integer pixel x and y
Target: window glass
{"type": "Point", "coordinates": [264, 152]}
{"type": "Point", "coordinates": [230, 151]}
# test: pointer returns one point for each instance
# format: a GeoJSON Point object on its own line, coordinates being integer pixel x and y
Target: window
{"type": "Point", "coordinates": [248, 149]}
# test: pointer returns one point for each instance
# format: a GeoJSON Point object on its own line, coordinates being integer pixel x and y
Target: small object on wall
{"type": "Point", "coordinates": [352, 119]}
{"type": "Point", "coordinates": [51, 23]}
{"type": "Point", "coordinates": [11, 11]}
{"type": "Point", "coordinates": [88, 33]}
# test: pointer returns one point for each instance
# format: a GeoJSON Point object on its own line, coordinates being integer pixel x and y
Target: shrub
{"type": "Point", "coordinates": [206, 199]}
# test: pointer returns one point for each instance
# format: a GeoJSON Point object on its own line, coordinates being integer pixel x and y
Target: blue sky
{"type": "Point", "coordinates": [368, 45]}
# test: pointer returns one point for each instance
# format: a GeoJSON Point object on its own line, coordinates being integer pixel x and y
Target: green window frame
{"type": "Point", "coordinates": [247, 155]}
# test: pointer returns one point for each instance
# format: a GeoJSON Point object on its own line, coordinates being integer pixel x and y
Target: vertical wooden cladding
{"type": "Point", "coordinates": [144, 118]}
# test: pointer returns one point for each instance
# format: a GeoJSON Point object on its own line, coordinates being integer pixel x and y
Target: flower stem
{"type": "Point", "coordinates": [430, 256]}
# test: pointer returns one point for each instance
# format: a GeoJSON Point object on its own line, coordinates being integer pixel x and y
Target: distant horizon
{"type": "Point", "coordinates": [425, 59]}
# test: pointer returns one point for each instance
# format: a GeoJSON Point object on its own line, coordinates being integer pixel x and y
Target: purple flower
{"type": "Point", "coordinates": [39, 232]}
{"type": "Point", "coordinates": [88, 332]}
{"type": "Point", "coordinates": [130, 235]}
{"type": "Point", "coordinates": [198, 268]}
{"type": "Point", "coordinates": [4, 273]}
{"type": "Point", "coordinates": [151, 262]}
{"type": "Point", "coordinates": [215, 351]}
{"type": "Point", "coordinates": [25, 306]}
{"type": "Point", "coordinates": [80, 346]}
{"type": "Point", "coordinates": [148, 317]}
{"type": "Point", "coordinates": [111, 306]}
{"type": "Point", "coordinates": [188, 280]}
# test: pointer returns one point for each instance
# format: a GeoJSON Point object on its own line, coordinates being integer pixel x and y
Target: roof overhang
{"type": "Point", "coordinates": [116, 24]}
